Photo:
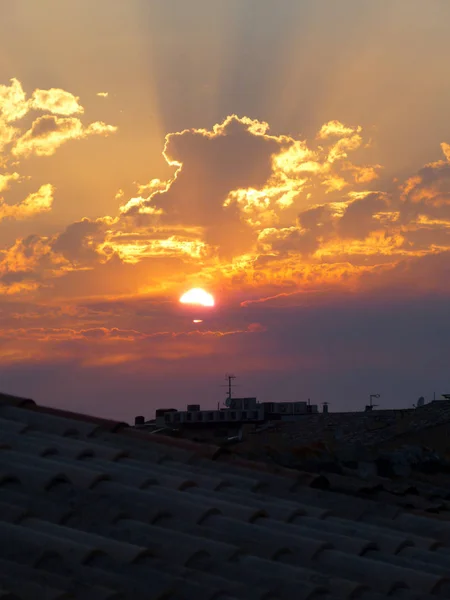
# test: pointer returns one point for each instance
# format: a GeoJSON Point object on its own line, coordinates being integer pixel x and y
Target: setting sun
{"type": "Point", "coordinates": [197, 296]}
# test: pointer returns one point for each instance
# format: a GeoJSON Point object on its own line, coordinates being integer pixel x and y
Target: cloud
{"type": "Point", "coordinates": [358, 219]}
{"type": "Point", "coordinates": [49, 132]}
{"type": "Point", "coordinates": [289, 239]}
{"type": "Point", "coordinates": [363, 174]}
{"type": "Point", "coordinates": [46, 134]}
{"type": "Point", "coordinates": [355, 218]}
{"type": "Point", "coordinates": [446, 150]}
{"type": "Point", "coordinates": [243, 207]}
{"type": "Point", "coordinates": [6, 179]}
{"type": "Point", "coordinates": [26, 254]}
{"type": "Point", "coordinates": [431, 180]}
{"type": "Point", "coordinates": [109, 346]}
{"type": "Point", "coordinates": [426, 195]}
{"type": "Point", "coordinates": [175, 245]}
{"type": "Point", "coordinates": [13, 102]}
{"type": "Point", "coordinates": [38, 260]}
{"type": "Point", "coordinates": [79, 242]}
{"type": "Point", "coordinates": [103, 334]}
{"type": "Point", "coordinates": [209, 165]}
{"type": "Point", "coordinates": [34, 204]}
{"type": "Point", "coordinates": [237, 177]}
{"type": "Point", "coordinates": [7, 135]}
{"type": "Point", "coordinates": [336, 129]}
{"type": "Point", "coordinates": [343, 146]}
{"type": "Point", "coordinates": [56, 101]}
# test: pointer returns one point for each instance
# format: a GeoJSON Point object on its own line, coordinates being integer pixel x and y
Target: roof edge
{"type": "Point", "coordinates": [18, 401]}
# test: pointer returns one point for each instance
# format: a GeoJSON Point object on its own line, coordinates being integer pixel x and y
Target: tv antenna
{"type": "Point", "coordinates": [229, 377]}
{"type": "Point", "coordinates": [371, 404]}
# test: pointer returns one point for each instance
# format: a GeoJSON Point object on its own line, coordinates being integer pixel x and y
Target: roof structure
{"type": "Point", "coordinates": [96, 510]}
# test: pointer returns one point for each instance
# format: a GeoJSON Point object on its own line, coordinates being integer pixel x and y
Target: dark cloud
{"type": "Point", "coordinates": [319, 224]}
{"type": "Point", "coordinates": [292, 241]}
{"type": "Point", "coordinates": [315, 217]}
{"type": "Point", "coordinates": [424, 237]}
{"type": "Point", "coordinates": [45, 125]}
{"type": "Point", "coordinates": [79, 241]}
{"type": "Point", "coordinates": [428, 273]}
{"type": "Point", "coordinates": [11, 277]}
{"type": "Point", "coordinates": [431, 175]}
{"type": "Point", "coordinates": [428, 193]}
{"type": "Point", "coordinates": [211, 165]}
{"type": "Point", "coordinates": [358, 219]}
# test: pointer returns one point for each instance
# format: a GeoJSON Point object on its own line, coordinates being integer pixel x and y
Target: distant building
{"type": "Point", "coordinates": [239, 410]}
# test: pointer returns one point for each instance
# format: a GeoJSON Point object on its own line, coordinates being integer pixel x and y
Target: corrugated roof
{"type": "Point", "coordinates": [95, 510]}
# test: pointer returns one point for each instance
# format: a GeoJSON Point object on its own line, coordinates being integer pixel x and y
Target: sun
{"type": "Point", "coordinates": [197, 296]}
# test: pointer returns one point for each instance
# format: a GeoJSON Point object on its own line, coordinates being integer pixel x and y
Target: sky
{"type": "Point", "coordinates": [290, 157]}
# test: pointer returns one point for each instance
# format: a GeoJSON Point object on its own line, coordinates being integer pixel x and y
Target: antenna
{"type": "Point", "coordinates": [229, 377]}
{"type": "Point", "coordinates": [371, 404]}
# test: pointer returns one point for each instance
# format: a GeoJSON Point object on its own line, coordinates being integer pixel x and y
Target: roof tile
{"type": "Point", "coordinates": [95, 510]}
{"type": "Point", "coordinates": [49, 423]}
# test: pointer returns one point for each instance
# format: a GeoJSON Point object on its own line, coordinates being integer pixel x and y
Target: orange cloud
{"type": "Point", "coordinates": [7, 135]}
{"type": "Point", "coordinates": [363, 174]}
{"type": "Point", "coordinates": [34, 204]}
{"type": "Point", "coordinates": [133, 252]}
{"type": "Point", "coordinates": [35, 261]}
{"type": "Point", "coordinates": [25, 264]}
{"type": "Point", "coordinates": [240, 175]}
{"type": "Point", "coordinates": [242, 206]}
{"type": "Point", "coordinates": [343, 146]}
{"type": "Point", "coordinates": [102, 334]}
{"type": "Point", "coordinates": [6, 179]}
{"type": "Point", "coordinates": [104, 346]}
{"type": "Point", "coordinates": [446, 150]}
{"type": "Point", "coordinates": [13, 102]}
{"type": "Point", "coordinates": [336, 129]}
{"type": "Point", "coordinates": [48, 133]}
{"type": "Point", "coordinates": [56, 101]}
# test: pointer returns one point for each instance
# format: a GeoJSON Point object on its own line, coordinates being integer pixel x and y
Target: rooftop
{"type": "Point", "coordinates": [96, 510]}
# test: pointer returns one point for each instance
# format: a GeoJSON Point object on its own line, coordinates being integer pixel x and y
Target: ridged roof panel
{"type": "Point", "coordinates": [92, 509]}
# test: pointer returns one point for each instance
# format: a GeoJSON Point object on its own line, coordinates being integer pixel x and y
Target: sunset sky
{"type": "Point", "coordinates": [290, 157]}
